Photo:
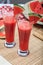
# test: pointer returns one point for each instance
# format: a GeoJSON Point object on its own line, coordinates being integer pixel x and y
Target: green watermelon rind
{"type": "Point", "coordinates": [19, 6]}
{"type": "Point", "coordinates": [34, 14]}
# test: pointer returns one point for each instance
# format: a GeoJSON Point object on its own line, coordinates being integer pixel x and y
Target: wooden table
{"type": "Point", "coordinates": [34, 58]}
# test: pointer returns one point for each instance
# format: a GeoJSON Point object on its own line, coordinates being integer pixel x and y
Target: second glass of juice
{"type": "Point", "coordinates": [9, 23]}
{"type": "Point", "coordinates": [24, 29]}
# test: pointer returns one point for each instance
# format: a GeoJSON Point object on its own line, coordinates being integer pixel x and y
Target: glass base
{"type": "Point", "coordinates": [23, 53]}
{"type": "Point", "coordinates": [9, 45]}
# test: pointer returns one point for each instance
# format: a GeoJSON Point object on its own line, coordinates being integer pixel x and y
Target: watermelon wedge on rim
{"type": "Point", "coordinates": [34, 17]}
{"type": "Point", "coordinates": [18, 9]}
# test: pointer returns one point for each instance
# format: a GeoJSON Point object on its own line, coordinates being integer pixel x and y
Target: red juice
{"type": "Point", "coordinates": [24, 29]}
{"type": "Point", "coordinates": [9, 29]}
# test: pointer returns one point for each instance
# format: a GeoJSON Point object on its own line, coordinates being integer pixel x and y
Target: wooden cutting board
{"type": "Point", "coordinates": [38, 32]}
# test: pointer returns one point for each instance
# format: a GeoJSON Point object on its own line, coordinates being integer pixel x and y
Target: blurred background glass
{"type": "Point", "coordinates": [5, 1]}
{"type": "Point", "coordinates": [2, 1]}
{"type": "Point", "coordinates": [20, 1]}
{"type": "Point", "coordinates": [14, 1]}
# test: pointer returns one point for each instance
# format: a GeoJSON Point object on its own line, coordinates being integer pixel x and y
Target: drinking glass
{"type": "Point", "coordinates": [9, 23]}
{"type": "Point", "coordinates": [24, 31]}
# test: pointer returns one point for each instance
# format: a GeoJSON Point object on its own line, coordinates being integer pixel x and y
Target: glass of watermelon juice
{"type": "Point", "coordinates": [24, 29]}
{"type": "Point", "coordinates": [9, 23]}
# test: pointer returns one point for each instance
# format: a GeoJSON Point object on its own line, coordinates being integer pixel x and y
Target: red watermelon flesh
{"type": "Point", "coordinates": [41, 20]}
{"type": "Point", "coordinates": [18, 10]}
{"type": "Point", "coordinates": [33, 5]}
{"type": "Point", "coordinates": [39, 8]}
{"type": "Point", "coordinates": [33, 19]}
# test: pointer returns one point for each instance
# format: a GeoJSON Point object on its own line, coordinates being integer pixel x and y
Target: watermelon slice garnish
{"type": "Point", "coordinates": [18, 9]}
{"type": "Point", "coordinates": [34, 17]}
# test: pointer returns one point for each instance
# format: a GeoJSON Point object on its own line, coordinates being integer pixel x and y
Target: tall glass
{"type": "Point", "coordinates": [24, 29]}
{"type": "Point", "coordinates": [9, 23]}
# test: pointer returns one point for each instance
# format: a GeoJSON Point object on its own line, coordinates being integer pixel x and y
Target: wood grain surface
{"type": "Point", "coordinates": [38, 32]}
{"type": "Point", "coordinates": [34, 58]}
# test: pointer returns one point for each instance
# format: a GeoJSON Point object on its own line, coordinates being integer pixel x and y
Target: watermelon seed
{"type": "Point", "coordinates": [40, 8]}
{"type": "Point", "coordinates": [42, 5]}
{"type": "Point", "coordinates": [1, 18]}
